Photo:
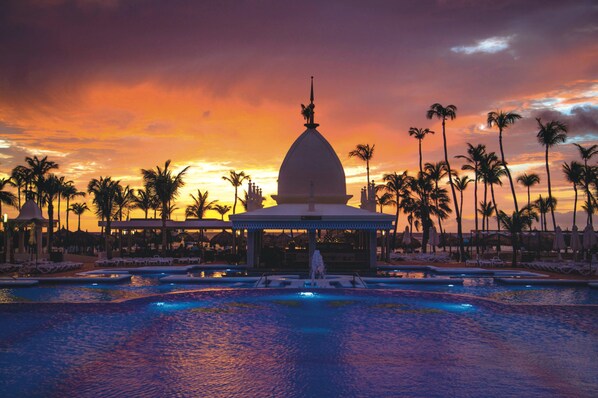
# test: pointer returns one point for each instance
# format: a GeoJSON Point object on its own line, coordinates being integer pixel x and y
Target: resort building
{"type": "Point", "coordinates": [312, 196]}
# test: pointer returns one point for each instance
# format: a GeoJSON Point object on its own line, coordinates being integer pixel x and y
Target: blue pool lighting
{"type": "Point", "coordinates": [307, 294]}
{"type": "Point", "coordinates": [528, 285]}
{"type": "Point", "coordinates": [451, 285]}
{"type": "Point", "coordinates": [94, 284]}
{"type": "Point", "coordinates": [466, 305]}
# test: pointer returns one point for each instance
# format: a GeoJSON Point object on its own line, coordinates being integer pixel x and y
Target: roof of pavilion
{"type": "Point", "coordinates": [323, 216]}
{"type": "Point", "coordinates": [156, 223]}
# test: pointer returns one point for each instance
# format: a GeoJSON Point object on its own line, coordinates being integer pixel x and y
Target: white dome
{"type": "Point", "coordinates": [311, 161]}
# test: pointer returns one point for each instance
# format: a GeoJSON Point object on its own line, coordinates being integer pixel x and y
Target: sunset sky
{"type": "Point", "coordinates": [108, 87]}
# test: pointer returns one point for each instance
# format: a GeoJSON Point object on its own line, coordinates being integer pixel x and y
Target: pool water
{"type": "Point", "coordinates": [288, 343]}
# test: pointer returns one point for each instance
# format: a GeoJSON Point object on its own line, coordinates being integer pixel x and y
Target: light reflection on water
{"type": "Point", "coordinates": [274, 343]}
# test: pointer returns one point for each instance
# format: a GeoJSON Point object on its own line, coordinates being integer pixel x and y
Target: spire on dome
{"type": "Point", "coordinates": [308, 111]}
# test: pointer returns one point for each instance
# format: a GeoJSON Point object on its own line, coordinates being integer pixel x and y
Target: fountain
{"type": "Point", "coordinates": [317, 269]}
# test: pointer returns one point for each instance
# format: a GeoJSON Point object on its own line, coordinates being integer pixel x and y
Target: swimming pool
{"type": "Point", "coordinates": [288, 343]}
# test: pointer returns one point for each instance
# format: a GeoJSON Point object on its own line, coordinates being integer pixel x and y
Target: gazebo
{"type": "Point", "coordinates": [311, 196]}
{"type": "Point", "coordinates": [30, 215]}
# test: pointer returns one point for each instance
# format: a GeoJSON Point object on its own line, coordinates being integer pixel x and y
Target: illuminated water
{"type": "Point", "coordinates": [280, 343]}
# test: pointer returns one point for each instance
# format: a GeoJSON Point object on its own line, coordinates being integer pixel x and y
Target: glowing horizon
{"type": "Point", "coordinates": [106, 95]}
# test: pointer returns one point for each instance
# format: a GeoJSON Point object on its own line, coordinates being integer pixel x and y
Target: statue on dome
{"type": "Point", "coordinates": [308, 112]}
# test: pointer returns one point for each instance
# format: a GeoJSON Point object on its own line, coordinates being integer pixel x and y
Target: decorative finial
{"type": "Point", "coordinates": [308, 111]}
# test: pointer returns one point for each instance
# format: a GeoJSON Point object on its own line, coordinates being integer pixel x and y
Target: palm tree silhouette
{"type": "Point", "coordinates": [50, 188]}
{"type": "Point", "coordinates": [543, 205]}
{"type": "Point", "coordinates": [486, 209]}
{"type": "Point", "coordinates": [437, 171]}
{"type": "Point", "coordinates": [165, 185]}
{"type": "Point", "coordinates": [78, 209]}
{"type": "Point", "coordinates": [69, 191]}
{"type": "Point", "coordinates": [397, 184]}
{"type": "Point", "coordinates": [549, 135]}
{"type": "Point", "coordinates": [236, 180]}
{"type": "Point", "coordinates": [6, 197]}
{"type": "Point", "coordinates": [21, 177]}
{"type": "Point", "coordinates": [419, 134]}
{"type": "Point", "coordinates": [515, 224]}
{"type": "Point", "coordinates": [474, 158]}
{"type": "Point", "coordinates": [461, 184]}
{"type": "Point", "coordinates": [39, 168]}
{"type": "Point", "coordinates": [528, 181]}
{"type": "Point", "coordinates": [200, 205]}
{"type": "Point", "coordinates": [222, 210]}
{"type": "Point", "coordinates": [492, 170]}
{"type": "Point", "coordinates": [364, 152]}
{"type": "Point", "coordinates": [104, 191]}
{"type": "Point", "coordinates": [574, 174]}
{"type": "Point", "coordinates": [503, 120]}
{"type": "Point", "coordinates": [588, 177]}
{"type": "Point", "coordinates": [443, 113]}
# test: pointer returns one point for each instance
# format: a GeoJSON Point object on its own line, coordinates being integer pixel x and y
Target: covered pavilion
{"type": "Point", "coordinates": [312, 196]}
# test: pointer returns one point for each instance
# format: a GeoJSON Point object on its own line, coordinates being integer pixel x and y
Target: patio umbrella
{"type": "Point", "coordinates": [434, 239]}
{"type": "Point", "coordinates": [575, 243]}
{"type": "Point", "coordinates": [589, 240]}
{"type": "Point", "coordinates": [559, 241]}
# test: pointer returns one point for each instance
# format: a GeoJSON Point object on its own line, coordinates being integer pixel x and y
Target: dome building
{"type": "Point", "coordinates": [312, 196]}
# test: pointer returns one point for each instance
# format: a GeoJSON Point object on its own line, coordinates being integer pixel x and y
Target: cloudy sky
{"type": "Point", "coordinates": [108, 87]}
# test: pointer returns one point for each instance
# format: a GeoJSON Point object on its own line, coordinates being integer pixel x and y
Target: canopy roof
{"type": "Point", "coordinates": [323, 216]}
{"type": "Point", "coordinates": [170, 224]}
{"type": "Point", "coordinates": [30, 213]}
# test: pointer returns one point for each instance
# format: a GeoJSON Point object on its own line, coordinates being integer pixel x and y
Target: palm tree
{"type": "Point", "coordinates": [21, 176]}
{"type": "Point", "coordinates": [386, 199]}
{"type": "Point", "coordinates": [63, 184]}
{"type": "Point", "coordinates": [222, 210]}
{"type": "Point", "coordinates": [461, 184]}
{"type": "Point", "coordinates": [515, 224]}
{"type": "Point", "coordinates": [69, 192]}
{"type": "Point", "coordinates": [443, 113]}
{"type": "Point", "coordinates": [573, 174]}
{"type": "Point", "coordinates": [589, 178]}
{"type": "Point", "coordinates": [39, 168]}
{"type": "Point", "coordinates": [528, 181]}
{"type": "Point", "coordinates": [486, 210]}
{"type": "Point", "coordinates": [586, 154]}
{"type": "Point", "coordinates": [236, 180]}
{"type": "Point", "coordinates": [200, 205]}
{"type": "Point", "coordinates": [492, 170]}
{"type": "Point", "coordinates": [104, 193]}
{"type": "Point", "coordinates": [437, 171]}
{"type": "Point", "coordinates": [397, 184]}
{"type": "Point", "coordinates": [549, 135]}
{"type": "Point", "coordinates": [419, 134]}
{"type": "Point", "coordinates": [474, 158]}
{"type": "Point", "coordinates": [143, 200]}
{"type": "Point", "coordinates": [543, 206]}
{"type": "Point", "coordinates": [7, 198]}
{"type": "Point", "coordinates": [78, 209]}
{"type": "Point", "coordinates": [365, 153]}
{"type": "Point", "coordinates": [50, 189]}
{"type": "Point", "coordinates": [166, 188]}
{"type": "Point", "coordinates": [503, 120]}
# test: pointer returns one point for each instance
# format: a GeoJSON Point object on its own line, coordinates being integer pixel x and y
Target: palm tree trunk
{"type": "Point", "coordinates": [497, 217]}
{"type": "Point", "coordinates": [164, 240]}
{"type": "Point", "coordinates": [394, 240]}
{"type": "Point", "coordinates": [235, 204]}
{"type": "Point", "coordinates": [458, 214]}
{"type": "Point", "coordinates": [79, 222]}
{"type": "Point", "coordinates": [550, 192]}
{"type": "Point", "coordinates": [67, 212]}
{"type": "Point", "coordinates": [502, 155]}
{"type": "Point", "coordinates": [475, 199]}
{"type": "Point", "coordinates": [575, 203]}
{"type": "Point", "coordinates": [367, 172]}
{"type": "Point", "coordinates": [421, 169]}
{"type": "Point", "coordinates": [50, 225]}
{"type": "Point", "coordinates": [58, 217]}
